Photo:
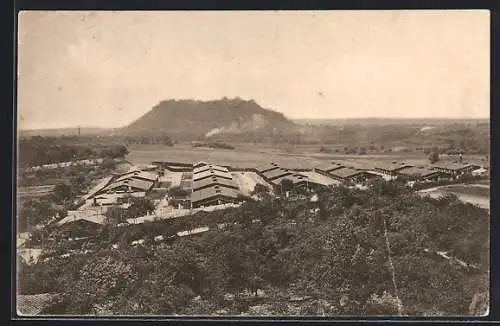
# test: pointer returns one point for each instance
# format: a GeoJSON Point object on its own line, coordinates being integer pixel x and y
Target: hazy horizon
{"type": "Point", "coordinates": [296, 119]}
{"type": "Point", "coordinates": [106, 69]}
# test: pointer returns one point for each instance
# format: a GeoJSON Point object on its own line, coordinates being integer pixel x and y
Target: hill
{"type": "Point", "coordinates": [190, 119]}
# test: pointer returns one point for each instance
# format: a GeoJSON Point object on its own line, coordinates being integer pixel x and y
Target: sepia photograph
{"type": "Point", "coordinates": [253, 163]}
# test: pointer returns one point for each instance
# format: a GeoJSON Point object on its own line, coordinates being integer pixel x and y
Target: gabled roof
{"type": "Point", "coordinates": [452, 166]}
{"type": "Point", "coordinates": [347, 172]}
{"type": "Point", "coordinates": [330, 166]}
{"type": "Point", "coordinates": [295, 178]}
{"type": "Point", "coordinates": [213, 191]}
{"type": "Point", "coordinates": [417, 171]}
{"type": "Point", "coordinates": [138, 175]}
{"type": "Point", "coordinates": [96, 219]}
{"type": "Point", "coordinates": [393, 167]}
{"type": "Point", "coordinates": [211, 173]}
{"type": "Point", "coordinates": [320, 178]}
{"type": "Point", "coordinates": [213, 181]}
{"type": "Point", "coordinates": [274, 174]}
{"type": "Point", "coordinates": [206, 167]}
{"type": "Point", "coordinates": [267, 167]}
{"type": "Point", "coordinates": [133, 183]}
{"type": "Point", "coordinates": [200, 163]}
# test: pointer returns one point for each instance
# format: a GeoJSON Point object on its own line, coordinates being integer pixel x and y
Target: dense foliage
{"type": "Point", "coordinates": [37, 150]}
{"type": "Point", "coordinates": [333, 252]}
{"type": "Point", "coordinates": [213, 145]}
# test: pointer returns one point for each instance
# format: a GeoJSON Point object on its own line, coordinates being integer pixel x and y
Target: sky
{"type": "Point", "coordinates": [106, 69]}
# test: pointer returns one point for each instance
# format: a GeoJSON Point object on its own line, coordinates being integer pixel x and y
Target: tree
{"type": "Point", "coordinates": [434, 156]}
{"type": "Point", "coordinates": [140, 207]}
{"type": "Point", "coordinates": [100, 282]}
{"type": "Point", "coordinates": [260, 190]}
{"type": "Point", "coordinates": [62, 192]}
{"type": "Point", "coordinates": [286, 185]}
{"type": "Point", "coordinates": [167, 141]}
{"type": "Point", "coordinates": [118, 151]}
{"type": "Point", "coordinates": [115, 215]}
{"type": "Point", "coordinates": [289, 250]}
{"type": "Point", "coordinates": [177, 192]}
{"type": "Point", "coordinates": [108, 163]}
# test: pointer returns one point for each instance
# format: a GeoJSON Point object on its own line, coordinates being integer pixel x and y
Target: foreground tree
{"type": "Point", "coordinates": [260, 190]}
{"type": "Point", "coordinates": [140, 207]}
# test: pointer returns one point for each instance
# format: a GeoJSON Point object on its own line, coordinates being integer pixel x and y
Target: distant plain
{"type": "Point", "coordinates": [247, 155]}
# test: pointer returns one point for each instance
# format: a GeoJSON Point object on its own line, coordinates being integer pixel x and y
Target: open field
{"type": "Point", "coordinates": [474, 194]}
{"type": "Point", "coordinates": [250, 155]}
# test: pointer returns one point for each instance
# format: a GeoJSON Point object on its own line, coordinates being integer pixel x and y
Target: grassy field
{"type": "Point", "coordinates": [250, 155]}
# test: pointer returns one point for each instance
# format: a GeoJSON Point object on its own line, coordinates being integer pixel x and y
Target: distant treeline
{"type": "Point", "coordinates": [39, 150]}
{"type": "Point", "coordinates": [213, 145]}
{"type": "Point", "coordinates": [472, 138]}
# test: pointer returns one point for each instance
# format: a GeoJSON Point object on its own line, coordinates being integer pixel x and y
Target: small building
{"type": "Point", "coordinates": [455, 169]}
{"type": "Point", "coordinates": [214, 195]}
{"type": "Point", "coordinates": [105, 200]}
{"type": "Point", "coordinates": [274, 174]}
{"type": "Point", "coordinates": [266, 167]}
{"type": "Point", "coordinates": [299, 181]}
{"type": "Point", "coordinates": [320, 179]}
{"type": "Point", "coordinates": [139, 175]}
{"type": "Point", "coordinates": [82, 226]}
{"type": "Point", "coordinates": [347, 174]}
{"type": "Point", "coordinates": [391, 170]}
{"type": "Point", "coordinates": [326, 168]}
{"type": "Point", "coordinates": [128, 186]}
